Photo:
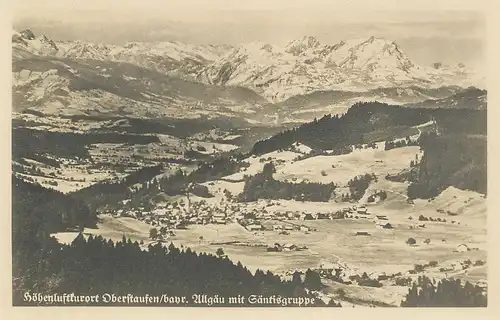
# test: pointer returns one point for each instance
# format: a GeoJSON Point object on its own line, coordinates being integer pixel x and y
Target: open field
{"type": "Point", "coordinates": [341, 168]}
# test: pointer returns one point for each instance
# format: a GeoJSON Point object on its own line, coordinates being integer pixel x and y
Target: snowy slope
{"type": "Point", "coordinates": [55, 86]}
{"type": "Point", "coordinates": [305, 65]}
{"type": "Point", "coordinates": [170, 57]}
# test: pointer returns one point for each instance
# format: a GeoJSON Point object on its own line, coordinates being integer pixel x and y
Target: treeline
{"type": "Point", "coordinates": [98, 266]}
{"type": "Point", "coordinates": [102, 193]}
{"type": "Point", "coordinates": [357, 187]}
{"type": "Point", "coordinates": [264, 186]}
{"type": "Point", "coordinates": [181, 128]}
{"type": "Point", "coordinates": [37, 211]}
{"type": "Point", "coordinates": [225, 164]}
{"type": "Point", "coordinates": [28, 143]}
{"type": "Point", "coordinates": [450, 160]}
{"type": "Point", "coordinates": [106, 195]}
{"type": "Point", "coordinates": [369, 122]}
{"type": "Point", "coordinates": [445, 293]}
{"type": "Point", "coordinates": [332, 132]}
{"type": "Point", "coordinates": [389, 145]}
{"type": "Point", "coordinates": [177, 183]}
{"type": "Point", "coordinates": [40, 158]}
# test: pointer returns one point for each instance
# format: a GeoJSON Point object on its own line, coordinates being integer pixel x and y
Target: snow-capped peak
{"type": "Point", "coordinates": [27, 42]}
{"type": "Point", "coordinates": [297, 47]}
{"type": "Point", "coordinates": [306, 65]}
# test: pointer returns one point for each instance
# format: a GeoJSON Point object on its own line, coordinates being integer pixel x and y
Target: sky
{"type": "Point", "coordinates": [450, 31]}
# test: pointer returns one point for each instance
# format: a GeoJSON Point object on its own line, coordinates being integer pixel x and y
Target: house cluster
{"type": "Point", "coordinates": [179, 215]}
{"type": "Point", "coordinates": [292, 227]}
{"type": "Point", "coordinates": [354, 211]}
{"type": "Point", "coordinates": [285, 247]}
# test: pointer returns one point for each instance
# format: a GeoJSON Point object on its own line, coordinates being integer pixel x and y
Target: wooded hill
{"type": "Point", "coordinates": [369, 122]}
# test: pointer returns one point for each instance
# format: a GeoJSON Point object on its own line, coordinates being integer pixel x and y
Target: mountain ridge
{"type": "Point", "coordinates": [304, 77]}
{"type": "Point", "coordinates": [305, 65]}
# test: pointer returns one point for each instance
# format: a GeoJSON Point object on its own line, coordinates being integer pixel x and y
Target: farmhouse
{"type": "Point", "coordinates": [382, 217]}
{"type": "Point", "coordinates": [461, 248]}
{"type": "Point", "coordinates": [322, 216]}
{"type": "Point", "coordinates": [219, 218]}
{"type": "Point", "coordinates": [304, 228]}
{"type": "Point", "coordinates": [308, 216]}
{"type": "Point", "coordinates": [362, 233]}
{"type": "Point", "coordinates": [289, 247]}
{"type": "Point", "coordinates": [275, 248]}
{"type": "Point", "coordinates": [254, 227]}
{"type": "Point", "coordinates": [362, 210]}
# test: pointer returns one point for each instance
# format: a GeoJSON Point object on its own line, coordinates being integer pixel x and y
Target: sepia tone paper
{"type": "Point", "coordinates": [131, 93]}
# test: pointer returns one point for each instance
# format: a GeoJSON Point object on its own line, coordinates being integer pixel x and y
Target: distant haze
{"type": "Point", "coordinates": [428, 31]}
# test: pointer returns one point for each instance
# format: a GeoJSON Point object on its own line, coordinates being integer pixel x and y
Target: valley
{"type": "Point", "coordinates": [327, 230]}
{"type": "Point", "coordinates": [346, 160]}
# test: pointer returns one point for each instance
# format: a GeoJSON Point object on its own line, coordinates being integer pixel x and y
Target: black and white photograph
{"type": "Point", "coordinates": [249, 154]}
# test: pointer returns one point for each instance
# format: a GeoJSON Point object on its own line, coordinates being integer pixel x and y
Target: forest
{"type": "Point", "coordinates": [368, 122]}
{"type": "Point", "coordinates": [264, 186]}
{"type": "Point", "coordinates": [445, 293]}
{"type": "Point", "coordinates": [100, 194]}
{"type": "Point", "coordinates": [96, 266]}
{"type": "Point", "coordinates": [46, 210]}
{"type": "Point", "coordinates": [29, 143]}
{"type": "Point", "coordinates": [358, 185]}
{"type": "Point", "coordinates": [450, 160]}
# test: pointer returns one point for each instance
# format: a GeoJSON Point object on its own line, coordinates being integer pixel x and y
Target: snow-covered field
{"type": "Point", "coordinates": [340, 169]}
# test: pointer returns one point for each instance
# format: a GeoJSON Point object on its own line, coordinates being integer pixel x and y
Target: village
{"type": "Point", "coordinates": [167, 217]}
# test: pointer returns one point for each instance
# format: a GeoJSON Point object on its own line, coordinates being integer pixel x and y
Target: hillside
{"type": "Point", "coordinates": [450, 160]}
{"type": "Point", "coordinates": [470, 98]}
{"type": "Point", "coordinates": [371, 122]}
{"type": "Point", "coordinates": [37, 212]}
{"type": "Point", "coordinates": [90, 87]}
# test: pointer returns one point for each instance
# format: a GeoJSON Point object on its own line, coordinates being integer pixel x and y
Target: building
{"type": "Point", "coordinates": [323, 216]}
{"type": "Point", "coordinates": [289, 247]}
{"type": "Point", "coordinates": [254, 227]}
{"type": "Point", "coordinates": [362, 210]}
{"type": "Point", "coordinates": [461, 248]}
{"type": "Point", "coordinates": [273, 249]}
{"type": "Point", "coordinates": [308, 216]}
{"type": "Point", "coordinates": [362, 233]}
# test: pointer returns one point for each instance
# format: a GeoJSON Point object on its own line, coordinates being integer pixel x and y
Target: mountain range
{"type": "Point", "coordinates": [305, 65]}
{"type": "Point", "coordinates": [254, 81]}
